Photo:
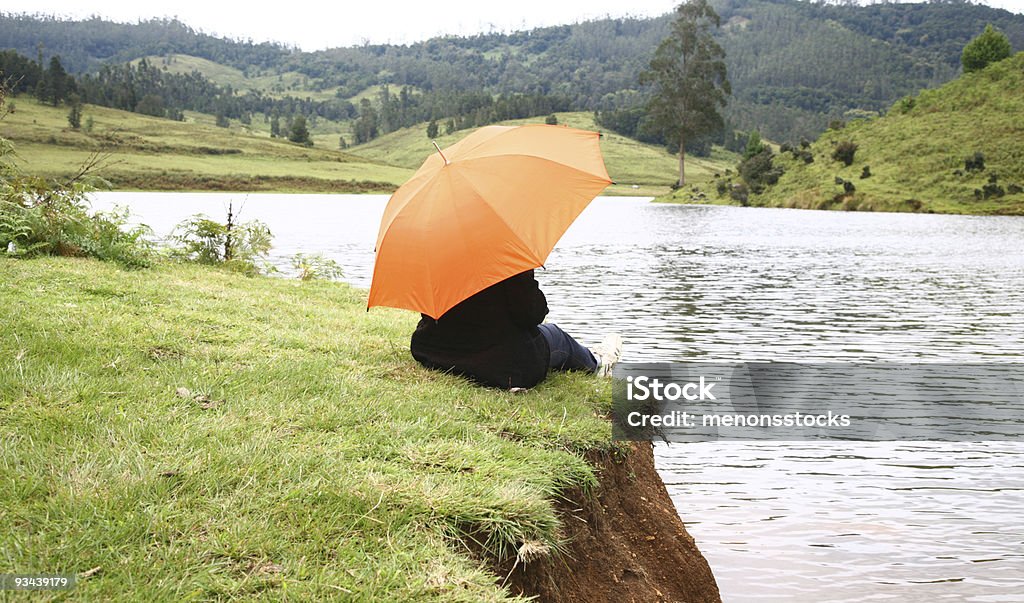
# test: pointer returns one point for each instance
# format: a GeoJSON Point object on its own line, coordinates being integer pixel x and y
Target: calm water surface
{"type": "Point", "coordinates": [805, 521]}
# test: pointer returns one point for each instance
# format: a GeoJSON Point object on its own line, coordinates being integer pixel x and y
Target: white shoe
{"type": "Point", "coordinates": [607, 354]}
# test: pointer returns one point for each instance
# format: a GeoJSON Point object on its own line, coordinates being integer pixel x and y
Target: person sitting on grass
{"type": "Point", "coordinates": [498, 338]}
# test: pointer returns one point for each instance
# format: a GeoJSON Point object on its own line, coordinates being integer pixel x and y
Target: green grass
{"type": "Point", "coordinates": [311, 458]}
{"type": "Point", "coordinates": [629, 162]}
{"type": "Point", "coordinates": [152, 153]}
{"type": "Point", "coordinates": [913, 155]}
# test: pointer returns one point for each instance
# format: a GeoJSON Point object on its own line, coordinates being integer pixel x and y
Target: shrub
{"type": "Point", "coordinates": [836, 124]}
{"type": "Point", "coordinates": [315, 267]}
{"type": "Point", "coordinates": [551, 120]}
{"type": "Point", "coordinates": [40, 218]}
{"type": "Point", "coordinates": [758, 171]}
{"type": "Point", "coordinates": [992, 191]}
{"type": "Point", "coordinates": [722, 187]}
{"type": "Point", "coordinates": [866, 172]}
{"type": "Point", "coordinates": [1014, 189]}
{"type": "Point", "coordinates": [740, 193]}
{"type": "Point", "coordinates": [905, 104]}
{"type": "Point", "coordinates": [976, 163]}
{"type": "Point", "coordinates": [845, 151]}
{"type": "Point", "coordinates": [238, 246]}
{"type": "Point", "coordinates": [804, 154]}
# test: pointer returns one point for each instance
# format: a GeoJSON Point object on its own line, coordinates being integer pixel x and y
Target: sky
{"type": "Point", "coordinates": [315, 24]}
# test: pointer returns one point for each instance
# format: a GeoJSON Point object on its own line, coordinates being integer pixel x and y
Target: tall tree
{"type": "Point", "coordinates": [365, 128]}
{"type": "Point", "coordinates": [58, 83]}
{"type": "Point", "coordinates": [689, 78]}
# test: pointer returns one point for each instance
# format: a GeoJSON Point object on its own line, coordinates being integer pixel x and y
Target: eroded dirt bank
{"type": "Point", "coordinates": [627, 544]}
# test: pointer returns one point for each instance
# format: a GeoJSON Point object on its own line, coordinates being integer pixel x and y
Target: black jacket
{"type": "Point", "coordinates": [491, 337]}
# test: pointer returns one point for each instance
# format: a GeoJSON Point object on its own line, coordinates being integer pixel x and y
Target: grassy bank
{"type": "Point", "coordinates": [150, 153]}
{"type": "Point", "coordinates": [309, 458]}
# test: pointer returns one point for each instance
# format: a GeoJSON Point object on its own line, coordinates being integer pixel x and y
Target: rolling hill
{"type": "Point", "coordinates": [956, 149]}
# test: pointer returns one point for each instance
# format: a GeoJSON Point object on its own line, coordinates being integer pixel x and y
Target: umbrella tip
{"type": "Point", "coordinates": [446, 162]}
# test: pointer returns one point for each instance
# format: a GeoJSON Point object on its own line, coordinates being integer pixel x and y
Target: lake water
{"type": "Point", "coordinates": [804, 521]}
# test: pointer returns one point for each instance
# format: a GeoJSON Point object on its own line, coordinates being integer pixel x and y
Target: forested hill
{"type": "Point", "coordinates": [794, 64]}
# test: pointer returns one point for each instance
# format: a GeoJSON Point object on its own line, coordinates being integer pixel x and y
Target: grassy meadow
{"type": "Point", "coordinates": [186, 433]}
{"type": "Point", "coordinates": [151, 153]}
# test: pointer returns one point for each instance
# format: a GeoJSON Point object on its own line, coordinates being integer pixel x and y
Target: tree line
{"type": "Point", "coordinates": [143, 87]}
{"type": "Point", "coordinates": [794, 65]}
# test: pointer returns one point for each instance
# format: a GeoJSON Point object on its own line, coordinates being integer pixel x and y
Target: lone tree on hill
{"type": "Point", "coordinates": [989, 47]}
{"type": "Point", "coordinates": [299, 132]}
{"type": "Point", "coordinates": [689, 77]}
{"type": "Point", "coordinates": [74, 111]}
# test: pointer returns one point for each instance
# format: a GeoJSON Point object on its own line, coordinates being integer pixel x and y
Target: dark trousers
{"type": "Point", "coordinates": [566, 353]}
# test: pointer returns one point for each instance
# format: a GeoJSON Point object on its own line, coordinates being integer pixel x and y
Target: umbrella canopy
{"type": "Point", "coordinates": [486, 208]}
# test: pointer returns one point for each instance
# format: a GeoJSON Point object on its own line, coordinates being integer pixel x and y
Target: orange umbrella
{"type": "Point", "coordinates": [488, 207]}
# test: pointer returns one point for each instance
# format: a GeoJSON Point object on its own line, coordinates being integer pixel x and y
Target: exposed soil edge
{"type": "Point", "coordinates": [626, 543]}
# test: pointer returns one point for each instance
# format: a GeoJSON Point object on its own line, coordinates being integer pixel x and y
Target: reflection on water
{"type": "Point", "coordinates": [790, 521]}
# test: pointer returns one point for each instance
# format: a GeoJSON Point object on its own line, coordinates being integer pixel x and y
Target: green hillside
{"type": "Point", "coordinates": [629, 162]}
{"type": "Point", "coordinates": [151, 153]}
{"type": "Point", "coordinates": [916, 154]}
{"type": "Point", "coordinates": [268, 82]}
